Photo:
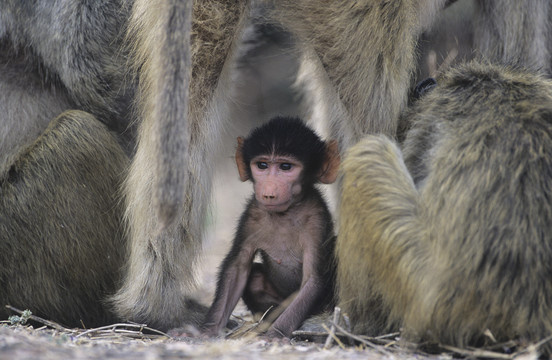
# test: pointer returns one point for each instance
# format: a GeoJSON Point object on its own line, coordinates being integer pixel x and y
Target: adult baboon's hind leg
{"type": "Point", "coordinates": [379, 243]}
{"type": "Point", "coordinates": [182, 108]}
{"type": "Point", "coordinates": [61, 233]}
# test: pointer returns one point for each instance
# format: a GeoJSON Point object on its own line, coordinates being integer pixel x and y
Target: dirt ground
{"type": "Point", "coordinates": [22, 343]}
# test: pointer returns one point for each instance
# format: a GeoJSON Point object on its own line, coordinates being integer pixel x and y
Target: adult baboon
{"type": "Point", "coordinates": [362, 53]}
{"type": "Point", "coordinates": [75, 54]}
{"type": "Point", "coordinates": [454, 239]}
{"type": "Point", "coordinates": [514, 32]}
{"type": "Point", "coordinates": [55, 258]}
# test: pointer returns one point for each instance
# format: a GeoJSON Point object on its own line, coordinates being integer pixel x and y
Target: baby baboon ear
{"type": "Point", "coordinates": [240, 162]}
{"type": "Point", "coordinates": [330, 167]}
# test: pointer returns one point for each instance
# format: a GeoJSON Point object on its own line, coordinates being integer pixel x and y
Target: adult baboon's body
{"type": "Point", "coordinates": [451, 237]}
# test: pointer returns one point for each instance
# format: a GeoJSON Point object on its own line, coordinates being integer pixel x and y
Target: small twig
{"type": "Point", "coordinates": [347, 322]}
{"type": "Point", "coordinates": [385, 336]}
{"type": "Point", "coordinates": [114, 327]}
{"type": "Point", "coordinates": [265, 314]}
{"type": "Point", "coordinates": [331, 335]}
{"type": "Point", "coordinates": [51, 324]}
{"type": "Point", "coordinates": [341, 345]}
{"type": "Point", "coordinates": [371, 345]}
{"type": "Point", "coordinates": [251, 329]}
{"type": "Point", "coordinates": [507, 344]}
{"type": "Point", "coordinates": [533, 347]}
{"type": "Point", "coordinates": [543, 341]}
{"type": "Point", "coordinates": [477, 352]}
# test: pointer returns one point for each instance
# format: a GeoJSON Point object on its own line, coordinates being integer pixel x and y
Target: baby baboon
{"type": "Point", "coordinates": [56, 260]}
{"type": "Point", "coordinates": [287, 223]}
{"type": "Point", "coordinates": [454, 240]}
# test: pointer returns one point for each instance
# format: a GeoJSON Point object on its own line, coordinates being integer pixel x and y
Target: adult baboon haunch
{"type": "Point", "coordinates": [55, 258]}
{"type": "Point", "coordinates": [454, 239]}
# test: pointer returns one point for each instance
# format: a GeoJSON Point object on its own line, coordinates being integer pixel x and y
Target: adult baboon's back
{"type": "Point", "coordinates": [454, 240]}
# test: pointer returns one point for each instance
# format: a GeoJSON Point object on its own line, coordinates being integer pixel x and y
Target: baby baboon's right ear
{"type": "Point", "coordinates": [240, 162]}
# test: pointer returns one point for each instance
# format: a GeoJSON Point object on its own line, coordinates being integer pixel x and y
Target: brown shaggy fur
{"type": "Point", "coordinates": [454, 239]}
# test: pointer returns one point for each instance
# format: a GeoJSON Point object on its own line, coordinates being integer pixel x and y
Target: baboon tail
{"type": "Point", "coordinates": [162, 50]}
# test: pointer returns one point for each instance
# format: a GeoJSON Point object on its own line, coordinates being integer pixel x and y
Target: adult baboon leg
{"type": "Point", "coordinates": [514, 32]}
{"type": "Point", "coordinates": [379, 239]}
{"type": "Point", "coordinates": [168, 187]}
{"type": "Point", "coordinates": [323, 108]}
{"type": "Point", "coordinates": [368, 49]}
{"type": "Point", "coordinates": [78, 43]}
{"type": "Point", "coordinates": [447, 42]}
{"type": "Point", "coordinates": [61, 238]}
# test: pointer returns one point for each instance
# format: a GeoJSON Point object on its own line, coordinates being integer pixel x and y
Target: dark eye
{"type": "Point", "coordinates": [262, 165]}
{"type": "Point", "coordinates": [286, 166]}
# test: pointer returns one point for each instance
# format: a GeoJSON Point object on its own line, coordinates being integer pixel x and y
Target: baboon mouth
{"type": "Point", "coordinates": [275, 207]}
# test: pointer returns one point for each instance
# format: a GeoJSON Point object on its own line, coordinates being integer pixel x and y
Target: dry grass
{"type": "Point", "coordinates": [134, 341]}
{"type": "Point", "coordinates": [137, 341]}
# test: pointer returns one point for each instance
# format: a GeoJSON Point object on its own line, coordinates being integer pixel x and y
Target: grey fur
{"type": "Point", "coordinates": [497, 34]}
{"type": "Point", "coordinates": [78, 44]}
{"type": "Point", "coordinates": [172, 166]}
{"type": "Point", "coordinates": [26, 105]}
